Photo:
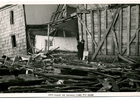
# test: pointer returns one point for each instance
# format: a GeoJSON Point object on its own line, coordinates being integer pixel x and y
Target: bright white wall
{"type": "Point", "coordinates": [65, 43]}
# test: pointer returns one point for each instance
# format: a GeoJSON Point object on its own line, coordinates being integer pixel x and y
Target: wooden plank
{"type": "Point", "coordinates": [116, 44]}
{"type": "Point", "coordinates": [99, 28]}
{"type": "Point", "coordinates": [105, 42]}
{"type": "Point", "coordinates": [137, 26]}
{"type": "Point", "coordinates": [83, 11]}
{"type": "Point", "coordinates": [115, 41]}
{"type": "Point", "coordinates": [112, 44]}
{"type": "Point", "coordinates": [75, 67]}
{"type": "Point", "coordinates": [106, 33]}
{"type": "Point", "coordinates": [48, 37]}
{"type": "Point", "coordinates": [64, 34]}
{"type": "Point", "coordinates": [120, 33]}
{"type": "Point", "coordinates": [65, 76]}
{"type": "Point", "coordinates": [90, 69]}
{"type": "Point", "coordinates": [92, 31]}
{"type": "Point", "coordinates": [52, 17]}
{"type": "Point", "coordinates": [128, 30]}
{"type": "Point", "coordinates": [107, 75]}
{"type": "Point", "coordinates": [125, 59]}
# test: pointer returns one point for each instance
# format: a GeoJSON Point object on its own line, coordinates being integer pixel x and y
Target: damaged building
{"type": "Point", "coordinates": [49, 36]}
{"type": "Point", "coordinates": [21, 23]}
{"type": "Point", "coordinates": [14, 24]}
{"type": "Point", "coordinates": [112, 31]}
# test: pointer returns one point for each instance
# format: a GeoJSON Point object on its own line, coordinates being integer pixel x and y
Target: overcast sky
{"type": "Point", "coordinates": [1, 5]}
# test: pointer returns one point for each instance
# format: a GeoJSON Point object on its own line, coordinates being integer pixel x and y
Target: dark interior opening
{"type": "Point", "coordinates": [13, 37]}
{"type": "Point", "coordinates": [11, 17]}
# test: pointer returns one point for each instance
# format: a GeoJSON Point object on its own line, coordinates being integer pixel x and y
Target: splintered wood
{"type": "Point", "coordinates": [76, 76]}
{"type": "Point", "coordinates": [46, 73]}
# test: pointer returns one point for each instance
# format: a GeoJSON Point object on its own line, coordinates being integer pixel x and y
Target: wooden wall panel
{"type": "Point", "coordinates": [125, 28]}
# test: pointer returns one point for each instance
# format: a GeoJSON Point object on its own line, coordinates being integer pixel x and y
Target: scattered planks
{"type": "Point", "coordinates": [74, 67]}
{"type": "Point", "coordinates": [90, 69]}
{"type": "Point", "coordinates": [55, 87]}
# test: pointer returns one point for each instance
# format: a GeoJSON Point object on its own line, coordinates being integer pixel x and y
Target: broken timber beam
{"type": "Point", "coordinates": [106, 33]}
{"type": "Point", "coordinates": [74, 67]}
{"type": "Point", "coordinates": [83, 69]}
{"type": "Point", "coordinates": [106, 75]}
{"type": "Point", "coordinates": [65, 76]}
{"type": "Point", "coordinates": [125, 59]}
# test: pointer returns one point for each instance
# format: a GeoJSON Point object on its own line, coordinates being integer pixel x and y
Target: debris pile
{"type": "Point", "coordinates": [43, 72]}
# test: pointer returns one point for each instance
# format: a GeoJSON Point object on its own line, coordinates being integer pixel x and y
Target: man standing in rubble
{"type": "Point", "coordinates": [80, 48]}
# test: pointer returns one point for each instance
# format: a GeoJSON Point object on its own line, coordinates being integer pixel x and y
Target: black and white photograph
{"type": "Point", "coordinates": [70, 48]}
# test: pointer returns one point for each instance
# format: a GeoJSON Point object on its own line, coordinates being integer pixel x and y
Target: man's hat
{"type": "Point", "coordinates": [83, 40]}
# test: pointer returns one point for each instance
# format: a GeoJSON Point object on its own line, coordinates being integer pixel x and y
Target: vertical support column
{"type": "Point", "coordinates": [120, 33]}
{"type": "Point", "coordinates": [112, 39]}
{"type": "Point", "coordinates": [81, 27]}
{"type": "Point", "coordinates": [48, 37]}
{"type": "Point", "coordinates": [99, 29]}
{"type": "Point", "coordinates": [105, 42]}
{"type": "Point", "coordinates": [92, 31]}
{"type": "Point", "coordinates": [86, 38]}
{"type": "Point", "coordinates": [128, 31]}
{"type": "Point", "coordinates": [64, 34]}
{"type": "Point", "coordinates": [137, 26]}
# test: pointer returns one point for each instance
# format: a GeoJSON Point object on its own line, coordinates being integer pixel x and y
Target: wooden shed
{"type": "Point", "coordinates": [110, 30]}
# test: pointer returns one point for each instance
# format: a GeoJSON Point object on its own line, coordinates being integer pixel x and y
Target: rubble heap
{"type": "Point", "coordinates": [46, 73]}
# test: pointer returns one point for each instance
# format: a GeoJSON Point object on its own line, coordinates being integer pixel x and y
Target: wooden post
{"type": "Point", "coordinates": [115, 40]}
{"type": "Point", "coordinates": [86, 38]}
{"type": "Point", "coordinates": [92, 31]}
{"type": "Point", "coordinates": [137, 34]}
{"type": "Point", "coordinates": [120, 33]}
{"type": "Point", "coordinates": [128, 31]}
{"type": "Point", "coordinates": [48, 37]}
{"type": "Point", "coordinates": [105, 42]}
{"type": "Point", "coordinates": [99, 28]}
{"type": "Point", "coordinates": [112, 43]}
{"type": "Point", "coordinates": [81, 28]}
{"type": "Point", "coordinates": [64, 34]}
